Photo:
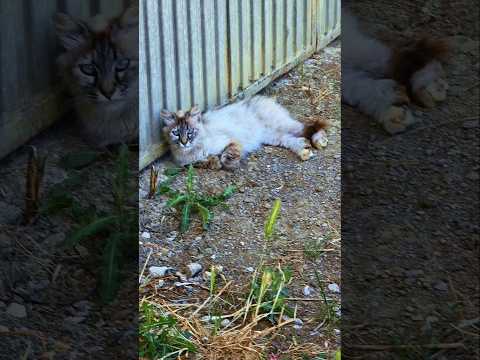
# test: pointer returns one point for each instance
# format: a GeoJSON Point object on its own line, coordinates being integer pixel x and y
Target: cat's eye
{"type": "Point", "coordinates": [122, 64]}
{"type": "Point", "coordinates": [175, 132]}
{"type": "Point", "coordinates": [88, 69]}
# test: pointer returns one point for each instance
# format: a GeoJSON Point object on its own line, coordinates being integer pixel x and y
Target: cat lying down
{"type": "Point", "coordinates": [381, 81]}
{"type": "Point", "coordinates": [221, 138]}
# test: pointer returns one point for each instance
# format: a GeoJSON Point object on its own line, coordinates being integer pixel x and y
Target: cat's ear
{"type": "Point", "coordinates": [195, 114]}
{"type": "Point", "coordinates": [72, 33]}
{"type": "Point", "coordinates": [129, 18]}
{"type": "Point", "coordinates": [167, 117]}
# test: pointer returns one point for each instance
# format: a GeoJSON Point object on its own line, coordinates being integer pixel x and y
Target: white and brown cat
{"type": "Point", "coordinates": [382, 81]}
{"type": "Point", "coordinates": [220, 138]}
{"type": "Point", "coordinates": [99, 66]}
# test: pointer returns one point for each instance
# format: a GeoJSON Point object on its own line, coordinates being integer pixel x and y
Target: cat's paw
{"type": "Point", "coordinates": [231, 156]}
{"type": "Point", "coordinates": [396, 119]}
{"type": "Point", "coordinates": [429, 85]}
{"type": "Point", "coordinates": [305, 154]}
{"type": "Point", "coordinates": [320, 139]}
{"type": "Point", "coordinates": [432, 93]}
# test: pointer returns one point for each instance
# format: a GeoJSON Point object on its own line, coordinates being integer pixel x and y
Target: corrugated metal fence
{"type": "Point", "coordinates": [29, 99]}
{"type": "Point", "coordinates": [209, 52]}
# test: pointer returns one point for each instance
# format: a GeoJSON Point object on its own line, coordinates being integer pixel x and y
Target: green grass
{"type": "Point", "coordinates": [117, 230]}
{"type": "Point", "coordinates": [160, 337]}
{"type": "Point", "coordinates": [191, 201]}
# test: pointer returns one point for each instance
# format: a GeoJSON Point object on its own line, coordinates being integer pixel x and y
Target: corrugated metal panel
{"type": "Point", "coordinates": [29, 96]}
{"type": "Point", "coordinates": [209, 52]}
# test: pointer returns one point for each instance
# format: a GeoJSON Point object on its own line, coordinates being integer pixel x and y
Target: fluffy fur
{"type": "Point", "coordinates": [381, 80]}
{"type": "Point", "coordinates": [99, 66]}
{"type": "Point", "coordinates": [220, 138]}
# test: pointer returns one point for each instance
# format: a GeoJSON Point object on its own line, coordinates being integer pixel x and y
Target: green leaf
{"type": "Point", "coordinates": [171, 172]}
{"type": "Point", "coordinates": [272, 219]}
{"type": "Point", "coordinates": [90, 230]}
{"type": "Point", "coordinates": [338, 355]}
{"type": "Point", "coordinates": [205, 215]}
{"type": "Point", "coordinates": [229, 191]}
{"type": "Point", "coordinates": [177, 200]}
{"type": "Point", "coordinates": [190, 176]}
{"type": "Point", "coordinates": [56, 202]}
{"type": "Point", "coordinates": [78, 160]}
{"type": "Point", "coordinates": [185, 223]}
{"type": "Point", "coordinates": [110, 274]}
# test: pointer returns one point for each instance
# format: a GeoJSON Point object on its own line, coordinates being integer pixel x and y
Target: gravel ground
{"type": "Point", "coordinates": [49, 305]}
{"type": "Point", "coordinates": [410, 205]}
{"type": "Point", "coordinates": [310, 196]}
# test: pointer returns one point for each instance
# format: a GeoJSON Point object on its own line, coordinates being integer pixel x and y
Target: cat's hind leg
{"type": "Point", "coordinates": [429, 85]}
{"type": "Point", "coordinates": [383, 99]}
{"type": "Point", "coordinates": [231, 156]}
{"type": "Point", "coordinates": [299, 145]}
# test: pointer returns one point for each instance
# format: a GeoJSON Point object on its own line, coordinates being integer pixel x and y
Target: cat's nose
{"type": "Point", "coordinates": [183, 140]}
{"type": "Point", "coordinates": [107, 92]}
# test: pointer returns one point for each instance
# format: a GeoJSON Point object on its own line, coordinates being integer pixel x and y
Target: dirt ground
{"type": "Point", "coordinates": [410, 219]}
{"type": "Point", "coordinates": [310, 213]}
{"type": "Point", "coordinates": [49, 302]}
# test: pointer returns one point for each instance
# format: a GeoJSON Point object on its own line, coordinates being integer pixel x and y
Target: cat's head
{"type": "Point", "coordinates": [100, 61]}
{"type": "Point", "coordinates": [181, 128]}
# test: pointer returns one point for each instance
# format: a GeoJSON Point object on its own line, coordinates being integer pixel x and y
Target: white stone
{"type": "Point", "coordinates": [334, 288]}
{"type": "Point", "coordinates": [17, 310]}
{"type": "Point", "coordinates": [146, 235]}
{"type": "Point", "coordinates": [157, 271]}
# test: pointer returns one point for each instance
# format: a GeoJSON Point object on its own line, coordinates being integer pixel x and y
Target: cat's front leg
{"type": "Point", "coordinates": [231, 156]}
{"type": "Point", "coordinates": [212, 162]}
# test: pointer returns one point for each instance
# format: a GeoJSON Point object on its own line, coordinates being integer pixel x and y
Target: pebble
{"type": "Point", "coordinates": [17, 310]}
{"type": "Point", "coordinates": [146, 235]}
{"type": "Point", "coordinates": [308, 291]}
{"type": "Point", "coordinates": [298, 324]}
{"type": "Point", "coordinates": [250, 269]}
{"type": "Point", "coordinates": [3, 329]}
{"type": "Point", "coordinates": [157, 271]}
{"type": "Point", "coordinates": [225, 322]}
{"type": "Point", "coordinates": [441, 286]}
{"type": "Point", "coordinates": [194, 268]}
{"type": "Point", "coordinates": [334, 288]}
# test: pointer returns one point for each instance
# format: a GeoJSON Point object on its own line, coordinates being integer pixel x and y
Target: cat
{"type": "Point", "coordinates": [99, 66]}
{"type": "Point", "coordinates": [221, 138]}
{"type": "Point", "coordinates": [382, 81]}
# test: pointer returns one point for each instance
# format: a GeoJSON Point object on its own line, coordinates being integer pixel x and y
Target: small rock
{"type": "Point", "coordinates": [194, 268]}
{"type": "Point", "coordinates": [74, 319]}
{"type": "Point", "coordinates": [308, 291]}
{"type": "Point", "coordinates": [157, 271]}
{"type": "Point", "coordinates": [298, 324]}
{"type": "Point", "coordinates": [334, 288]}
{"type": "Point", "coordinates": [181, 276]}
{"type": "Point", "coordinates": [160, 284]}
{"type": "Point", "coordinates": [17, 310]}
{"type": "Point", "coordinates": [250, 269]}
{"type": "Point", "coordinates": [146, 235]}
{"type": "Point", "coordinates": [225, 322]}
{"type": "Point", "coordinates": [471, 124]}
{"type": "Point", "coordinates": [441, 286]}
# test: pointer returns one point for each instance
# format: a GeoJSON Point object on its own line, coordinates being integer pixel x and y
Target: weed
{"type": "Point", "coordinates": [160, 337]}
{"type": "Point", "coordinates": [190, 201]}
{"type": "Point", "coordinates": [118, 227]}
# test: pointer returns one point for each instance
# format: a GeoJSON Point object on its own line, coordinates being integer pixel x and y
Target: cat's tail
{"type": "Point", "coordinates": [315, 132]}
{"type": "Point", "coordinates": [408, 59]}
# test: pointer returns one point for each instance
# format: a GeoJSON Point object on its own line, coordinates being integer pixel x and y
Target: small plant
{"type": "Point", "coordinates": [191, 201]}
{"type": "Point", "coordinates": [269, 293]}
{"type": "Point", "coordinates": [272, 220]}
{"type": "Point", "coordinates": [160, 337]}
{"type": "Point", "coordinates": [119, 228]}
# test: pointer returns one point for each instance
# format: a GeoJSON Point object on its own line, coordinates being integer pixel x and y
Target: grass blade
{"type": "Point", "coordinates": [185, 223]}
{"type": "Point", "coordinates": [177, 200]}
{"type": "Point", "coordinates": [205, 215]}
{"type": "Point", "coordinates": [90, 230]}
{"type": "Point", "coordinates": [111, 261]}
{"type": "Point", "coordinates": [272, 219]}
{"type": "Point", "coordinates": [190, 176]}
